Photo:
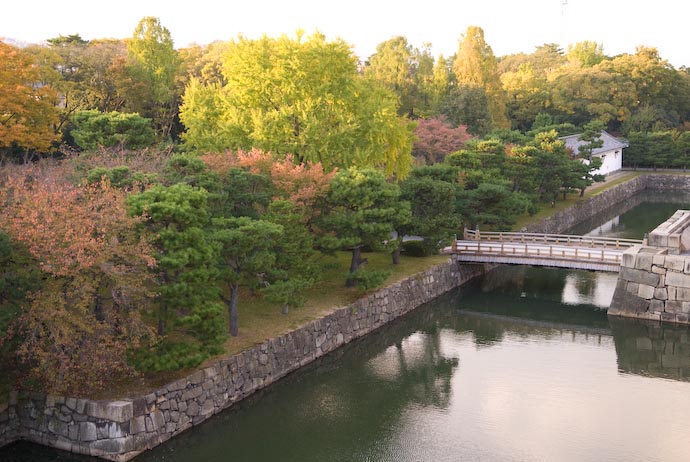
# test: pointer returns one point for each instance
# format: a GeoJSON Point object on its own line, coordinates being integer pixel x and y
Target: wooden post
{"type": "Point", "coordinates": [602, 255]}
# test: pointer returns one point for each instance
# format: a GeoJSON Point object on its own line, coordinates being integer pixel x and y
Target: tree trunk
{"type": "Point", "coordinates": [286, 308]}
{"type": "Point", "coordinates": [355, 263]}
{"type": "Point", "coordinates": [233, 315]}
{"type": "Point", "coordinates": [162, 320]}
{"type": "Point", "coordinates": [396, 255]}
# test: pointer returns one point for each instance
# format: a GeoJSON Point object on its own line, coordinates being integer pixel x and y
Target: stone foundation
{"type": "Point", "coordinates": [654, 279]}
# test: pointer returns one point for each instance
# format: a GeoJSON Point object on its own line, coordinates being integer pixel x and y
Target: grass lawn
{"type": "Point", "coordinates": [260, 320]}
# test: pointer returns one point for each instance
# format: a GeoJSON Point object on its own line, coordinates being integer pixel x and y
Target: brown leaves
{"type": "Point", "coordinates": [300, 183]}
{"type": "Point", "coordinates": [76, 330]}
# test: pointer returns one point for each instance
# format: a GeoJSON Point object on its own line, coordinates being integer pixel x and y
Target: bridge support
{"type": "Point", "coordinates": [654, 279]}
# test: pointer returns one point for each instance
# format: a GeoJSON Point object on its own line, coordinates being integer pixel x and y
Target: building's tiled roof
{"type": "Point", "coordinates": [610, 143]}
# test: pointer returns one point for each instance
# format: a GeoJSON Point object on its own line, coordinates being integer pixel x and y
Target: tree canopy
{"type": "Point", "coordinates": [300, 96]}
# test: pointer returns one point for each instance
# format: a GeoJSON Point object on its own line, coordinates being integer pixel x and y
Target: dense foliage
{"type": "Point", "coordinates": [115, 262]}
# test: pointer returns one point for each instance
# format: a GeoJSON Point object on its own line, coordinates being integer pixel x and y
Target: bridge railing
{"type": "Point", "coordinates": [557, 239]}
{"type": "Point", "coordinates": [541, 251]}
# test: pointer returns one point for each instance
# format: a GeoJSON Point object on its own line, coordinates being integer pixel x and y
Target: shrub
{"type": "Point", "coordinates": [93, 129]}
{"type": "Point", "coordinates": [419, 249]}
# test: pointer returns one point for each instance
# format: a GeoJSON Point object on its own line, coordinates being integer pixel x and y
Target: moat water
{"type": "Point", "coordinates": [521, 365]}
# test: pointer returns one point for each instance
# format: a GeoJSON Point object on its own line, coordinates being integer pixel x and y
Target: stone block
{"type": "Point", "coordinates": [113, 446]}
{"type": "Point", "coordinates": [137, 425]}
{"type": "Point", "coordinates": [685, 309]}
{"type": "Point", "coordinates": [671, 292]}
{"type": "Point", "coordinates": [115, 430]}
{"type": "Point", "coordinates": [682, 294]}
{"type": "Point", "coordinates": [656, 306]}
{"type": "Point", "coordinates": [678, 279]}
{"type": "Point", "coordinates": [149, 425]}
{"type": "Point", "coordinates": [192, 393]}
{"type": "Point", "coordinates": [639, 276]}
{"type": "Point", "coordinates": [632, 287]}
{"type": "Point", "coordinates": [624, 302]}
{"type": "Point", "coordinates": [139, 406]}
{"type": "Point", "coordinates": [629, 257]}
{"type": "Point", "coordinates": [657, 239]}
{"type": "Point", "coordinates": [192, 409]}
{"type": "Point", "coordinates": [661, 293]}
{"type": "Point", "coordinates": [87, 432]}
{"type": "Point", "coordinates": [71, 403]}
{"type": "Point", "coordinates": [675, 263]}
{"type": "Point", "coordinates": [73, 432]}
{"type": "Point", "coordinates": [673, 307]}
{"type": "Point", "coordinates": [658, 259]}
{"type": "Point", "coordinates": [644, 261]}
{"type": "Point", "coordinates": [115, 411]}
{"type": "Point", "coordinates": [208, 407]}
{"type": "Point", "coordinates": [58, 427]}
{"type": "Point", "coordinates": [158, 419]}
{"type": "Point", "coordinates": [686, 270]}
{"type": "Point", "coordinates": [645, 291]}
{"type": "Point", "coordinates": [197, 377]}
{"type": "Point", "coordinates": [674, 241]}
{"type": "Point", "coordinates": [658, 269]}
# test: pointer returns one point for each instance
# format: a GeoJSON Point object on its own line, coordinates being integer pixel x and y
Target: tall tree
{"type": "Point", "coordinates": [436, 138]}
{"type": "Point", "coordinates": [27, 110]}
{"type": "Point", "coordinates": [586, 53]}
{"type": "Point", "coordinates": [74, 333]}
{"type": "Point", "coordinates": [475, 65]}
{"type": "Point", "coordinates": [392, 66]}
{"type": "Point", "coordinates": [177, 218]}
{"type": "Point", "coordinates": [246, 255]}
{"type": "Point", "coordinates": [362, 209]}
{"type": "Point", "coordinates": [298, 96]}
{"type": "Point", "coordinates": [155, 63]}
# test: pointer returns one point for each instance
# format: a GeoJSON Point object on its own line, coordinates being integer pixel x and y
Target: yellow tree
{"type": "Point", "coordinates": [27, 112]}
{"type": "Point", "coordinates": [475, 65]}
{"type": "Point", "coordinates": [300, 96]}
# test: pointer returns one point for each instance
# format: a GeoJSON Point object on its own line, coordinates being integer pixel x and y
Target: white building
{"type": "Point", "coordinates": [610, 153]}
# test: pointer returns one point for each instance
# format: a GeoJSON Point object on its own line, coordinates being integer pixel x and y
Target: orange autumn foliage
{"type": "Point", "coordinates": [27, 110]}
{"type": "Point", "coordinates": [300, 183]}
{"type": "Point", "coordinates": [76, 330]}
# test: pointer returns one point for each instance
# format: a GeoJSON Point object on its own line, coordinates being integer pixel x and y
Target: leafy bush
{"type": "Point", "coordinates": [93, 129]}
{"type": "Point", "coordinates": [167, 356]}
{"type": "Point", "coordinates": [368, 279]}
{"type": "Point", "coordinates": [418, 249]}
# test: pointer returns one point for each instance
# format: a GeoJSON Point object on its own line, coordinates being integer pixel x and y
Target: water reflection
{"type": "Point", "coordinates": [652, 349]}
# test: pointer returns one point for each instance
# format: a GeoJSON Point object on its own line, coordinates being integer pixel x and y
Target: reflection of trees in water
{"type": "Point", "coordinates": [360, 391]}
{"type": "Point", "coordinates": [655, 206]}
{"type": "Point", "coordinates": [651, 348]}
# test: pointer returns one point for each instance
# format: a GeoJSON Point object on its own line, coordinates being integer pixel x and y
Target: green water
{"type": "Point", "coordinates": [522, 365]}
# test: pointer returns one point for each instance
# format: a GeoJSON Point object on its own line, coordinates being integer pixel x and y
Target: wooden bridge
{"type": "Point", "coordinates": [535, 249]}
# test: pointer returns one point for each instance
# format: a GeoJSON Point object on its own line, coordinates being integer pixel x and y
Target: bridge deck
{"type": "Point", "coordinates": [553, 250]}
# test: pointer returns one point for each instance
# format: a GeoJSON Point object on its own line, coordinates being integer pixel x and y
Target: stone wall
{"type": "Point", "coordinates": [653, 285]}
{"type": "Point", "coordinates": [119, 430]}
{"type": "Point", "coordinates": [563, 220]}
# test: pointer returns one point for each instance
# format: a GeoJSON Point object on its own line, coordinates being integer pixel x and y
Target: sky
{"type": "Point", "coordinates": [510, 26]}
